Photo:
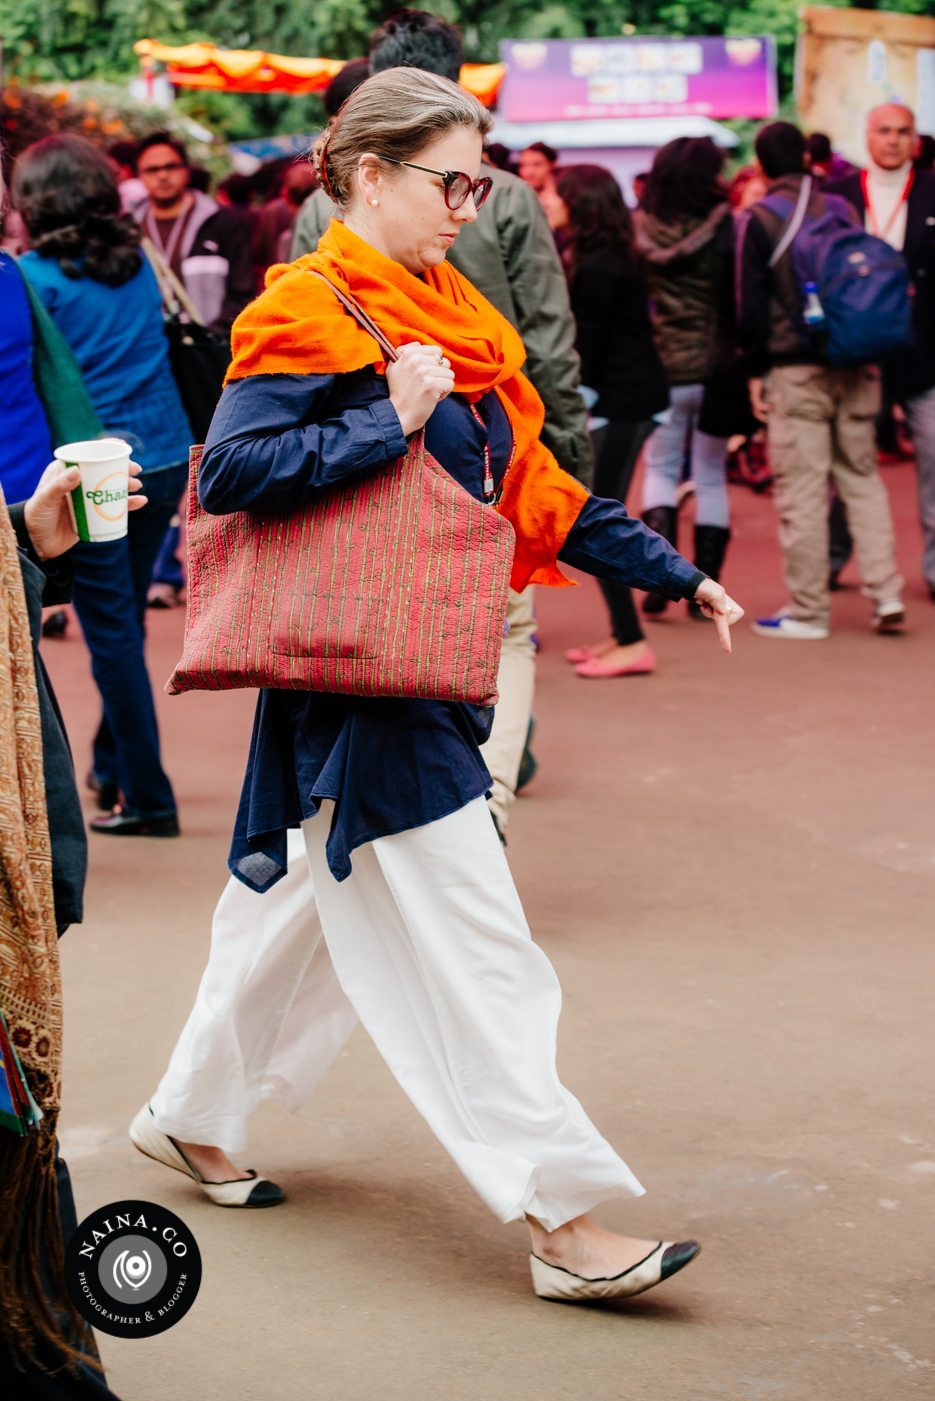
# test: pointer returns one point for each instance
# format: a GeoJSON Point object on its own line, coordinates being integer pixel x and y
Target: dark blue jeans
{"type": "Point", "coordinates": [168, 567]}
{"type": "Point", "coordinates": [111, 582]}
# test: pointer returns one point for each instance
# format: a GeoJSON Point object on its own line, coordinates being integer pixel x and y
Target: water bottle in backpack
{"type": "Point", "coordinates": [855, 287]}
{"type": "Point", "coordinates": [813, 313]}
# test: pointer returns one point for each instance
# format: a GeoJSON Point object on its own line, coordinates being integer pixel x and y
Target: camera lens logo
{"type": "Point", "coordinates": [133, 1269]}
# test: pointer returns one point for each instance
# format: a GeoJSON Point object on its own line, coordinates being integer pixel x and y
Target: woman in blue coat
{"type": "Point", "coordinates": [86, 267]}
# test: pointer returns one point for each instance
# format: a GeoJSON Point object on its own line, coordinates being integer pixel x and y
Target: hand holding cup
{"type": "Point", "coordinates": [49, 513]}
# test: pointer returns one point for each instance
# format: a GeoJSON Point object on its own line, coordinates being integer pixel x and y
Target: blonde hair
{"type": "Point", "coordinates": [395, 113]}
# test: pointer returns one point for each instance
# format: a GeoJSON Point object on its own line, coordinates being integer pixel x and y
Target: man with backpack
{"type": "Point", "coordinates": [819, 302]}
{"type": "Point", "coordinates": [897, 203]}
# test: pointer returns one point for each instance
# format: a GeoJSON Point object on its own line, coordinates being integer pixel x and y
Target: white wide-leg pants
{"type": "Point", "coordinates": [269, 1016]}
{"type": "Point", "coordinates": [426, 943]}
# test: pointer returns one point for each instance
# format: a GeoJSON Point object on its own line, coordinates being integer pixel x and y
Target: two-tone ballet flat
{"type": "Point", "coordinates": [240, 1191]}
{"type": "Point", "coordinates": [664, 1260]}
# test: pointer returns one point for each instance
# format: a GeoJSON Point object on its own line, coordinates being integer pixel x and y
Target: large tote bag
{"type": "Point", "coordinates": [396, 586]}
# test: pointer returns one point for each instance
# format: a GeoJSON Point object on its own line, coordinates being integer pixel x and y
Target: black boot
{"type": "Point", "coordinates": [710, 548]}
{"type": "Point", "coordinates": [664, 521]}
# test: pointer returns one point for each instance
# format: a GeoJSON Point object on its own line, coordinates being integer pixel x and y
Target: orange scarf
{"type": "Point", "coordinates": [298, 327]}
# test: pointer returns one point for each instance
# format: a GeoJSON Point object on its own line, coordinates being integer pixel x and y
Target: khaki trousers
{"type": "Point", "coordinates": [516, 682]}
{"type": "Point", "coordinates": [821, 430]}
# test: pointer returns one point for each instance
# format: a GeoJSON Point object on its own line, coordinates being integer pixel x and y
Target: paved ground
{"type": "Point", "coordinates": [732, 864]}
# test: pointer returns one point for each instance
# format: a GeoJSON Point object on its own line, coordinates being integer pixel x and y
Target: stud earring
{"type": "Point", "coordinates": [374, 201]}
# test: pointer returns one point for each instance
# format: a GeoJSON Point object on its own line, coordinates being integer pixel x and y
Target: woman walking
{"type": "Point", "coordinates": [620, 365]}
{"type": "Point", "coordinates": [685, 236]}
{"type": "Point", "coordinates": [417, 920]}
{"type": "Point", "coordinates": [86, 268]}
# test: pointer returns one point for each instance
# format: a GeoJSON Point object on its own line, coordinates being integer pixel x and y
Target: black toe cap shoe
{"type": "Point", "coordinates": [677, 1256]}
{"type": "Point", "coordinates": [266, 1194]}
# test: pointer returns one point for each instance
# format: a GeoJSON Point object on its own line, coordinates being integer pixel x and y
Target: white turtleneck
{"type": "Point", "coordinates": [889, 210]}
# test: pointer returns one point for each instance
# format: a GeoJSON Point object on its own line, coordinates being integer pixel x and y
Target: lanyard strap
{"type": "Point", "coordinates": [174, 295]}
{"type": "Point", "coordinates": [167, 249]}
{"type": "Point", "coordinates": [489, 492]}
{"type": "Point", "coordinates": [865, 187]}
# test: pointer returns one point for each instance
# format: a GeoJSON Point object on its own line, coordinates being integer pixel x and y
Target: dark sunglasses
{"type": "Point", "coordinates": [457, 185]}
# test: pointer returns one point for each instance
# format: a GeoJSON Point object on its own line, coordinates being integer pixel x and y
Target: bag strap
{"type": "Point", "coordinates": [359, 315]}
{"type": "Point", "coordinates": [795, 223]}
{"type": "Point", "coordinates": [59, 381]}
{"type": "Point", "coordinates": [173, 291]}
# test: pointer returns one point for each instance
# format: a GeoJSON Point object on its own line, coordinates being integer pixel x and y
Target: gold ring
{"type": "Point", "coordinates": [440, 358]}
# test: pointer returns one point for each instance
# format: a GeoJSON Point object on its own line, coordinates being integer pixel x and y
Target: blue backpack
{"type": "Point", "coordinates": [862, 283]}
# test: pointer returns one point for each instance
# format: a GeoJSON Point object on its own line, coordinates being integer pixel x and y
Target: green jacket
{"type": "Point", "coordinates": [689, 268]}
{"type": "Point", "coordinates": [509, 254]}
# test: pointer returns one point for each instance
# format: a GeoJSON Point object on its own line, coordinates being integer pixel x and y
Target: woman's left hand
{"type": "Point", "coordinates": [715, 603]}
{"type": "Point", "coordinates": [48, 519]}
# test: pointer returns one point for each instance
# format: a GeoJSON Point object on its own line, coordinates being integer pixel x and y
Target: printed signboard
{"type": "Point", "coordinates": [558, 79]}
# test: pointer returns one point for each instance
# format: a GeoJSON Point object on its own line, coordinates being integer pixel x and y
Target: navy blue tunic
{"type": "Point", "coordinates": [388, 764]}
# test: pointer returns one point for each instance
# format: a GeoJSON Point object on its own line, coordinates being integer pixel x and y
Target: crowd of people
{"type": "Point", "coordinates": [666, 330]}
{"type": "Point", "coordinates": [548, 337]}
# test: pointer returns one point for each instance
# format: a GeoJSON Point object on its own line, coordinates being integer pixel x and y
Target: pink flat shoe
{"type": "Point", "coordinates": [595, 668]}
{"type": "Point", "coordinates": [579, 654]}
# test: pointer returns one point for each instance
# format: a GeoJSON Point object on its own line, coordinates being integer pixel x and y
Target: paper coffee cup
{"type": "Point", "coordinates": [99, 501]}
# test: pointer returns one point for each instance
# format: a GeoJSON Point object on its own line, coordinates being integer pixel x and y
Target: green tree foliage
{"type": "Point", "coordinates": [54, 40]}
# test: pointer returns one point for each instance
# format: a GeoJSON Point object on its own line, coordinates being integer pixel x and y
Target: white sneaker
{"type": "Point", "coordinates": [782, 624]}
{"type": "Point", "coordinates": [889, 615]}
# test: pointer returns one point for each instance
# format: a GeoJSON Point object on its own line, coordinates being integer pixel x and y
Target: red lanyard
{"type": "Point", "coordinates": [489, 493]}
{"type": "Point", "coordinates": [865, 187]}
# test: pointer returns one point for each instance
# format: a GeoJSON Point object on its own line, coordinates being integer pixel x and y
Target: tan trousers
{"type": "Point", "coordinates": [821, 430]}
{"type": "Point", "coordinates": [516, 682]}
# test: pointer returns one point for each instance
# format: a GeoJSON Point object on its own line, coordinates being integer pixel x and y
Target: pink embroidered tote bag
{"type": "Point", "coordinates": [396, 586]}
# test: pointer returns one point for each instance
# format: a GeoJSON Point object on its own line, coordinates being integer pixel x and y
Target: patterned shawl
{"type": "Point", "coordinates": [30, 987]}
{"type": "Point", "coordinates": [33, 1301]}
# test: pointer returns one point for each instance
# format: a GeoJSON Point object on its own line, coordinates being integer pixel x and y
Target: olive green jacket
{"type": "Point", "coordinates": [509, 255]}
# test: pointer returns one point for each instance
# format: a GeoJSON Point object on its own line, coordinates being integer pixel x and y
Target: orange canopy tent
{"type": "Point", "coordinates": [254, 70]}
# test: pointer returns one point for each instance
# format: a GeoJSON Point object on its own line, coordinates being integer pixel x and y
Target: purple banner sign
{"type": "Point", "coordinates": [558, 79]}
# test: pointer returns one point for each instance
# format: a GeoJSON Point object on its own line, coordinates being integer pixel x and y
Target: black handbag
{"type": "Point", "coordinates": [199, 357]}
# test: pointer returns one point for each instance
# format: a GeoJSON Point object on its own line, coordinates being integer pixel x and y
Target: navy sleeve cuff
{"type": "Point", "coordinates": [610, 543]}
{"type": "Point", "coordinates": [686, 577]}
{"type": "Point", "coordinates": [391, 430]}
